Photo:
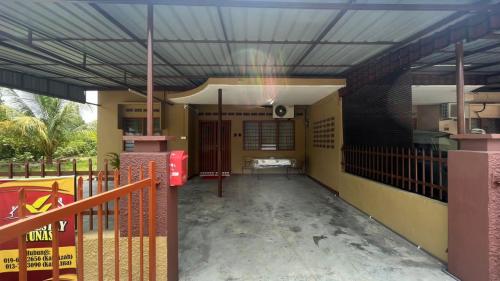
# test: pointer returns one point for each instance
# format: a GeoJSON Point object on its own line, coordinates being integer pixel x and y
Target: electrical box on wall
{"type": "Point", "coordinates": [283, 111]}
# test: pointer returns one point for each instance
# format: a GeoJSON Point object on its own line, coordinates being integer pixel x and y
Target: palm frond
{"type": "Point", "coordinates": [22, 102]}
{"type": "Point", "coordinates": [30, 127]}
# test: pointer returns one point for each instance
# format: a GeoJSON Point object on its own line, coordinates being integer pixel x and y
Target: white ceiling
{"type": "Point", "coordinates": [437, 94]}
{"type": "Point", "coordinates": [266, 94]}
{"type": "Point", "coordinates": [259, 94]}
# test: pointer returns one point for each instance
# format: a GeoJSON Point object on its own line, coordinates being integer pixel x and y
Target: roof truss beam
{"type": "Point", "coordinates": [301, 5]}
{"type": "Point", "coordinates": [52, 57]}
{"type": "Point", "coordinates": [212, 41]}
{"type": "Point", "coordinates": [320, 37]}
{"type": "Point", "coordinates": [401, 59]}
{"type": "Point", "coordinates": [469, 53]}
{"type": "Point", "coordinates": [122, 27]}
{"type": "Point", "coordinates": [195, 65]}
{"type": "Point", "coordinates": [57, 74]}
{"type": "Point", "coordinates": [65, 44]}
{"type": "Point", "coordinates": [224, 32]}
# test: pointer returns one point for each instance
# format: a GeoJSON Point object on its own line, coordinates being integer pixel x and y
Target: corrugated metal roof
{"type": "Point", "coordinates": [132, 16]}
{"type": "Point", "coordinates": [436, 57]}
{"type": "Point", "coordinates": [162, 70]}
{"type": "Point", "coordinates": [489, 69]}
{"type": "Point", "coordinates": [174, 82]}
{"type": "Point", "coordinates": [67, 70]}
{"type": "Point", "coordinates": [275, 24]}
{"type": "Point", "coordinates": [416, 1]}
{"type": "Point", "coordinates": [473, 45]}
{"type": "Point", "coordinates": [261, 70]}
{"type": "Point", "coordinates": [192, 42]}
{"type": "Point", "coordinates": [62, 19]}
{"type": "Point", "coordinates": [118, 52]}
{"type": "Point", "coordinates": [472, 55]}
{"type": "Point", "coordinates": [342, 54]}
{"type": "Point", "coordinates": [107, 70]}
{"type": "Point", "coordinates": [13, 29]}
{"type": "Point", "coordinates": [266, 54]}
{"type": "Point", "coordinates": [60, 50]}
{"type": "Point", "coordinates": [27, 70]}
{"type": "Point", "coordinates": [315, 70]}
{"type": "Point", "coordinates": [79, 83]}
{"type": "Point", "coordinates": [481, 58]}
{"type": "Point", "coordinates": [391, 26]}
{"type": "Point", "coordinates": [209, 70]}
{"type": "Point", "coordinates": [197, 23]}
{"type": "Point", "coordinates": [101, 81]}
{"type": "Point", "coordinates": [191, 53]}
{"type": "Point", "coordinates": [19, 56]}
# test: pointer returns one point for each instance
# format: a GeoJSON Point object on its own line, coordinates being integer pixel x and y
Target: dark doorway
{"type": "Point", "coordinates": [208, 148]}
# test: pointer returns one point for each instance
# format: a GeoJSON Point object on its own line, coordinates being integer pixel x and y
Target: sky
{"type": "Point", "coordinates": [88, 111]}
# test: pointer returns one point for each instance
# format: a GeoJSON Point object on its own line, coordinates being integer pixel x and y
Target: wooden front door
{"type": "Point", "coordinates": [208, 148]}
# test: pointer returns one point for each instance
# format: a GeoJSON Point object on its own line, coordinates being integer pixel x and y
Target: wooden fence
{"type": "Point", "coordinates": [66, 168]}
{"type": "Point", "coordinates": [18, 229]}
{"type": "Point", "coordinates": [420, 171]}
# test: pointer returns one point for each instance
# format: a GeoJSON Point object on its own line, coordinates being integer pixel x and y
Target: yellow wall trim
{"type": "Point", "coordinates": [421, 220]}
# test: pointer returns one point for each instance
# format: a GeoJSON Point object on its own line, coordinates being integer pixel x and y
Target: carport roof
{"type": "Point", "coordinates": [102, 44]}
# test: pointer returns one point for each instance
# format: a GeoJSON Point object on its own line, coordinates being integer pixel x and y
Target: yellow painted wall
{"type": "Point", "coordinates": [324, 164]}
{"type": "Point", "coordinates": [420, 220]}
{"type": "Point", "coordinates": [237, 153]}
{"type": "Point", "coordinates": [110, 137]}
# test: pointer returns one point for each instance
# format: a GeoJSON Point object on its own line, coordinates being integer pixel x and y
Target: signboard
{"type": "Point", "coordinates": [39, 241]}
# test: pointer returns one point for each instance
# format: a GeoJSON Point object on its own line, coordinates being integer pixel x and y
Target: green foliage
{"type": "Point", "coordinates": [114, 160]}
{"type": "Point", "coordinates": [35, 126]}
{"type": "Point", "coordinates": [83, 142]}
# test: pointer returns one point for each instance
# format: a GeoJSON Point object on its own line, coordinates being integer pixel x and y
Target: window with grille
{"type": "Point", "coordinates": [269, 135]}
{"type": "Point", "coordinates": [251, 136]}
{"type": "Point", "coordinates": [286, 137]}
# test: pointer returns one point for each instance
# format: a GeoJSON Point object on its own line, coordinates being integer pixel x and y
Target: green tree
{"type": "Point", "coordinates": [45, 122]}
{"type": "Point", "coordinates": [83, 142]}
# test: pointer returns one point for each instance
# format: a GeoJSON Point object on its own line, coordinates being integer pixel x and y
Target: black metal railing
{"type": "Point", "coordinates": [420, 171]}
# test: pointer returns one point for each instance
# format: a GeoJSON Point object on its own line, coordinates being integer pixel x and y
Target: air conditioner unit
{"type": "Point", "coordinates": [283, 111]}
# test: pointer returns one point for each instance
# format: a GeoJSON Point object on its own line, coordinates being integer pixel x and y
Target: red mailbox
{"type": "Point", "coordinates": [178, 168]}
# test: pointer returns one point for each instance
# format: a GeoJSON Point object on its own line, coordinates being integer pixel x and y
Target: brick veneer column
{"type": "Point", "coordinates": [166, 201]}
{"type": "Point", "coordinates": [474, 208]}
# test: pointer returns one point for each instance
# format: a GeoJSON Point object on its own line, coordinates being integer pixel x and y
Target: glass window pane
{"type": "Point", "coordinates": [156, 127]}
{"type": "Point", "coordinates": [133, 127]}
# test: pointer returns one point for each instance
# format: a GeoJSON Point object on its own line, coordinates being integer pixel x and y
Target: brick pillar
{"type": "Point", "coordinates": [152, 149]}
{"type": "Point", "coordinates": [474, 208]}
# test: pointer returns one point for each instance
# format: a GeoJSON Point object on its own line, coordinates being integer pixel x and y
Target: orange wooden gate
{"type": "Point", "coordinates": [18, 229]}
